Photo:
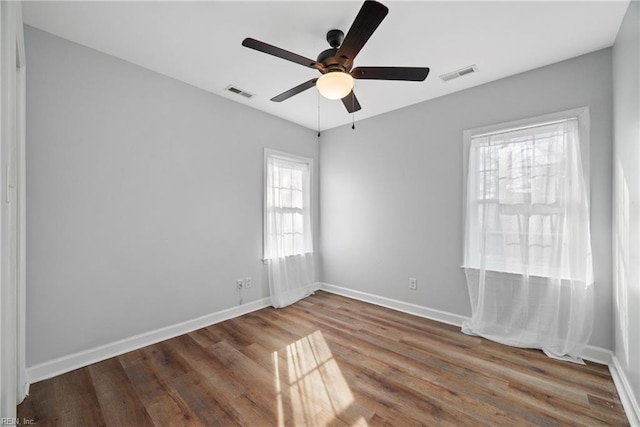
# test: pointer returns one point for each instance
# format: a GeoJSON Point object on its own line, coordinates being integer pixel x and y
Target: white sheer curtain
{"type": "Point", "coordinates": [527, 241]}
{"type": "Point", "coordinates": [288, 231]}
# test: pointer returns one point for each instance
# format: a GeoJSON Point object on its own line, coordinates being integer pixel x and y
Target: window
{"type": "Point", "coordinates": [287, 218]}
{"type": "Point", "coordinates": [520, 186]}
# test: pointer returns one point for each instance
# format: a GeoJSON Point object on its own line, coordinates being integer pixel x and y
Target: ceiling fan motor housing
{"type": "Point", "coordinates": [328, 57]}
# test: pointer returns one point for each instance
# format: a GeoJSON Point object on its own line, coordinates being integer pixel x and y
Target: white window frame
{"type": "Point", "coordinates": [268, 153]}
{"type": "Point", "coordinates": [581, 114]}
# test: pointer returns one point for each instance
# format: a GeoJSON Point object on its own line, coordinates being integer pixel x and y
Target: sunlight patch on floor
{"type": "Point", "coordinates": [310, 384]}
{"type": "Point", "coordinates": [276, 381]}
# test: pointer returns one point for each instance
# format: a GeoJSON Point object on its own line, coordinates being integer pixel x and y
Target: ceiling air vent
{"type": "Point", "coordinates": [240, 92]}
{"type": "Point", "coordinates": [459, 73]}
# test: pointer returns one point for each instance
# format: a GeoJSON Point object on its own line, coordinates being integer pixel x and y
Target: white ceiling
{"type": "Point", "coordinates": [200, 43]}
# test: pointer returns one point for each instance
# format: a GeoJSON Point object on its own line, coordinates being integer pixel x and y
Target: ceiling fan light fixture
{"type": "Point", "coordinates": [335, 85]}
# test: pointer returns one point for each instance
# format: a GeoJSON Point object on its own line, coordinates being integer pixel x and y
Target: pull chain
{"type": "Point", "coordinates": [353, 111]}
{"type": "Point", "coordinates": [318, 114]}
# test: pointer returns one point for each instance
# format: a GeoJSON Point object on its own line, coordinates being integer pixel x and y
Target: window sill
{"type": "Point", "coordinates": [266, 260]}
{"type": "Point", "coordinates": [540, 279]}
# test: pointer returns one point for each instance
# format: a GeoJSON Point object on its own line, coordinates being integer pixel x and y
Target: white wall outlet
{"type": "Point", "coordinates": [413, 283]}
{"type": "Point", "coordinates": [239, 284]}
{"type": "Point", "coordinates": [247, 282]}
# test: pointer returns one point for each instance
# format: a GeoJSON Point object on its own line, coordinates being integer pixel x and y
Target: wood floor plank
{"type": "Point", "coordinates": [457, 385]}
{"type": "Point", "coordinates": [445, 357]}
{"type": "Point", "coordinates": [496, 368]}
{"type": "Point", "coordinates": [266, 336]}
{"type": "Point", "coordinates": [328, 361]}
{"type": "Point", "coordinates": [540, 364]}
{"type": "Point", "coordinates": [71, 411]}
{"type": "Point", "coordinates": [391, 358]}
{"type": "Point", "coordinates": [226, 331]}
{"type": "Point", "coordinates": [205, 337]}
{"type": "Point", "coordinates": [154, 393]}
{"type": "Point", "coordinates": [199, 360]}
{"type": "Point", "coordinates": [550, 395]}
{"type": "Point", "coordinates": [164, 360]}
{"type": "Point", "coordinates": [118, 399]}
{"type": "Point", "coordinates": [423, 359]}
{"type": "Point", "coordinates": [205, 401]}
{"type": "Point", "coordinates": [40, 406]}
{"type": "Point", "coordinates": [257, 382]}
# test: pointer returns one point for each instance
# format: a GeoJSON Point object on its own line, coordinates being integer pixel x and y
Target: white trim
{"type": "Point", "coordinates": [583, 117]}
{"type": "Point", "coordinates": [591, 353]}
{"type": "Point", "coordinates": [294, 158]}
{"type": "Point", "coordinates": [519, 128]}
{"type": "Point", "coordinates": [531, 121]}
{"type": "Point", "coordinates": [405, 307]}
{"type": "Point", "coordinates": [582, 114]}
{"type": "Point", "coordinates": [629, 402]}
{"type": "Point", "coordinates": [21, 57]}
{"type": "Point", "coordinates": [12, 60]}
{"type": "Point", "coordinates": [599, 355]}
{"type": "Point", "coordinates": [68, 363]}
{"type": "Point", "coordinates": [21, 218]}
{"type": "Point", "coordinates": [283, 155]}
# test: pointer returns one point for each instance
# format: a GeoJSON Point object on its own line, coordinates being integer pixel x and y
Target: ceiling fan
{"type": "Point", "coordinates": [335, 64]}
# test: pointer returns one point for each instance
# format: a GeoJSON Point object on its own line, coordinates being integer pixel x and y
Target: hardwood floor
{"type": "Point", "coordinates": [328, 360]}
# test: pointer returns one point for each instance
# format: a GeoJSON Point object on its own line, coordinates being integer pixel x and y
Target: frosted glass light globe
{"type": "Point", "coordinates": [335, 85]}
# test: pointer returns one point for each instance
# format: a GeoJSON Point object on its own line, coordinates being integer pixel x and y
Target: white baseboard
{"type": "Point", "coordinates": [405, 307]}
{"type": "Point", "coordinates": [599, 355]}
{"type": "Point", "coordinates": [591, 353]}
{"type": "Point", "coordinates": [629, 401]}
{"type": "Point", "coordinates": [68, 363]}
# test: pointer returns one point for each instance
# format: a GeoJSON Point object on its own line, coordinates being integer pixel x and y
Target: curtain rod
{"type": "Point", "coordinates": [522, 128]}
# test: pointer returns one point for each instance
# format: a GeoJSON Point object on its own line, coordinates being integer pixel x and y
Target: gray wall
{"type": "Point", "coordinates": [145, 194]}
{"type": "Point", "coordinates": [626, 202]}
{"type": "Point", "coordinates": [144, 198]}
{"type": "Point", "coordinates": [391, 191]}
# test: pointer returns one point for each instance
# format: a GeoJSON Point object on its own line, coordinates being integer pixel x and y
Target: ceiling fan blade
{"type": "Point", "coordinates": [413, 74]}
{"type": "Point", "coordinates": [351, 102]}
{"type": "Point", "coordinates": [370, 16]}
{"type": "Point", "coordinates": [280, 53]}
{"type": "Point", "coordinates": [294, 91]}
